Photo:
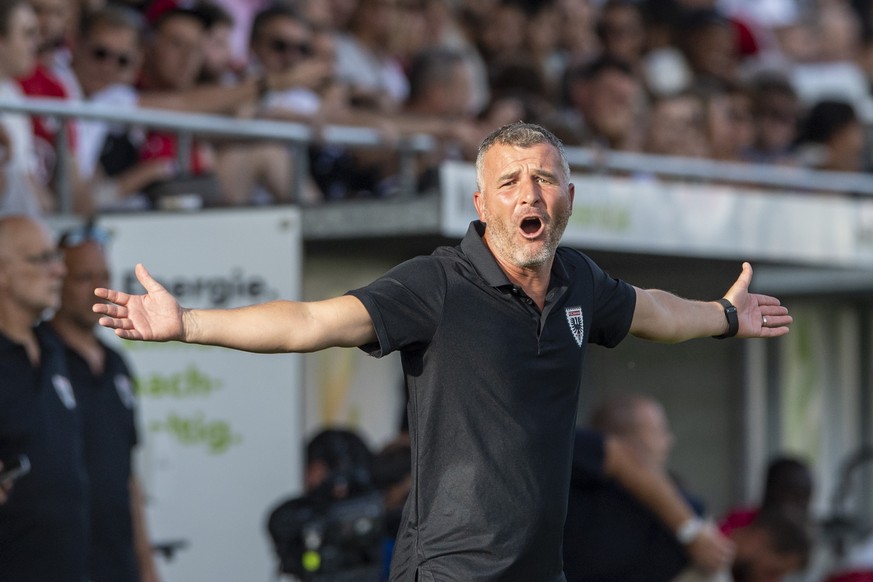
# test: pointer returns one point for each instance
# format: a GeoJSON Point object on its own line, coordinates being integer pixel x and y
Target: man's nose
{"type": "Point", "coordinates": [531, 192]}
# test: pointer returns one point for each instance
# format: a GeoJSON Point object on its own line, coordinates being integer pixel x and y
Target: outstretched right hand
{"type": "Point", "coordinates": [155, 316]}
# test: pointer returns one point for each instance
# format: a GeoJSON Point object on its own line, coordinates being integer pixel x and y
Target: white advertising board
{"type": "Point", "coordinates": [645, 215]}
{"type": "Point", "coordinates": [221, 430]}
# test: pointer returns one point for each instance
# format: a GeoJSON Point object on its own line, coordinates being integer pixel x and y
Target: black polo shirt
{"type": "Point", "coordinates": [43, 525]}
{"type": "Point", "coordinates": [106, 402]}
{"type": "Point", "coordinates": [493, 387]}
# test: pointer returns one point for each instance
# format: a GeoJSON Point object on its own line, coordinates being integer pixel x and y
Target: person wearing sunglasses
{"type": "Point", "coordinates": [44, 522]}
{"type": "Point", "coordinates": [102, 383]}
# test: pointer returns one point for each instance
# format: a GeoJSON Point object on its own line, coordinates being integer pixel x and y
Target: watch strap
{"type": "Point", "coordinates": [733, 320]}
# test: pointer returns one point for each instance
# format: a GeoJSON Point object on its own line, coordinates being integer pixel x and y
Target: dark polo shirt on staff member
{"type": "Point", "coordinates": [44, 524]}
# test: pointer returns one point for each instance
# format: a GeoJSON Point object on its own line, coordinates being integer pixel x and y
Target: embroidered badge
{"type": "Point", "coordinates": [125, 391]}
{"type": "Point", "coordinates": [65, 391]}
{"type": "Point", "coordinates": [577, 327]}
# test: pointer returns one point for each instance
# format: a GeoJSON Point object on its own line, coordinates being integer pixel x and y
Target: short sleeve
{"type": "Point", "coordinates": [405, 305]}
{"type": "Point", "coordinates": [614, 304]}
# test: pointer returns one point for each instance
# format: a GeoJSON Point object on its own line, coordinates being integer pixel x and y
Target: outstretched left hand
{"type": "Point", "coordinates": [759, 315]}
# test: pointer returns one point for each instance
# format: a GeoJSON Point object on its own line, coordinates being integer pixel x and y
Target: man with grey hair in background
{"type": "Point", "coordinates": [44, 523]}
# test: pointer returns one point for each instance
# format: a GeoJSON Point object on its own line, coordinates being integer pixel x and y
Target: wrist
{"type": "Point", "coordinates": [731, 317]}
{"type": "Point", "coordinates": [689, 529]}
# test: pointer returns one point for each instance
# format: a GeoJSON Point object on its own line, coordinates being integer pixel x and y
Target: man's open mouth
{"type": "Point", "coordinates": [531, 226]}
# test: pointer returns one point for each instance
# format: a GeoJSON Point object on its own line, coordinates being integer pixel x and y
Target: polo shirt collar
{"type": "Point", "coordinates": [474, 248]}
{"type": "Point", "coordinates": [481, 258]}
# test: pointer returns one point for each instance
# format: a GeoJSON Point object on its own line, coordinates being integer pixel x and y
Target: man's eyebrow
{"type": "Point", "coordinates": [507, 176]}
{"type": "Point", "coordinates": [546, 174]}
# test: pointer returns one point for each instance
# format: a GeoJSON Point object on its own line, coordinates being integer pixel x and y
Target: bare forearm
{"type": "Point", "coordinates": [664, 317]}
{"type": "Point", "coordinates": [650, 487]}
{"type": "Point", "coordinates": [281, 326]}
{"type": "Point", "coordinates": [203, 99]}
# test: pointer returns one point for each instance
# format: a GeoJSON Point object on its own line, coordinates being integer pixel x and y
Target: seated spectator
{"type": "Point", "coordinates": [173, 61]}
{"type": "Point", "coordinates": [283, 41]}
{"type": "Point", "coordinates": [788, 488]}
{"type": "Point", "coordinates": [728, 121]}
{"type": "Point", "coordinates": [832, 138]}
{"type": "Point", "coordinates": [607, 99]}
{"type": "Point", "coordinates": [366, 60]}
{"type": "Point", "coordinates": [577, 36]}
{"type": "Point", "coordinates": [775, 112]}
{"type": "Point", "coordinates": [622, 32]}
{"type": "Point", "coordinates": [769, 549]}
{"type": "Point", "coordinates": [675, 126]}
{"type": "Point", "coordinates": [219, 64]}
{"type": "Point", "coordinates": [708, 41]}
{"type": "Point", "coordinates": [542, 45]}
{"type": "Point", "coordinates": [22, 193]}
{"type": "Point", "coordinates": [50, 78]}
{"type": "Point", "coordinates": [106, 58]}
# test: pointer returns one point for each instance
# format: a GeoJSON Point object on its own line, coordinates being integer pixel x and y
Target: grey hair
{"type": "Point", "coordinates": [523, 135]}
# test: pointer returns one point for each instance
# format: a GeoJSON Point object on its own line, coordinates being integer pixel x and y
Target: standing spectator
{"type": "Point", "coordinates": [44, 524]}
{"type": "Point", "coordinates": [617, 538]}
{"type": "Point", "coordinates": [22, 192]}
{"type": "Point", "coordinates": [119, 544]}
{"type": "Point", "coordinates": [614, 495]}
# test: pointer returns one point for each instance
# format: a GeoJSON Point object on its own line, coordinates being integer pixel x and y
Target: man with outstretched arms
{"type": "Point", "coordinates": [492, 334]}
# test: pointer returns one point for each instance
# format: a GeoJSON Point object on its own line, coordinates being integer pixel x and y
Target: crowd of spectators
{"type": "Point", "coordinates": [777, 82]}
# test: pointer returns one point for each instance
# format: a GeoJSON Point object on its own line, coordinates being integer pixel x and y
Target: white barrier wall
{"type": "Point", "coordinates": [644, 215]}
{"type": "Point", "coordinates": [221, 430]}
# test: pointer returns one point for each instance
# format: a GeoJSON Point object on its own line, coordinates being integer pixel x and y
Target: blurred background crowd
{"type": "Point", "coordinates": [782, 82]}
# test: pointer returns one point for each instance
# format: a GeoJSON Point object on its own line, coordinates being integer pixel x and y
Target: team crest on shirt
{"type": "Point", "coordinates": [125, 390]}
{"type": "Point", "coordinates": [65, 391]}
{"type": "Point", "coordinates": [576, 323]}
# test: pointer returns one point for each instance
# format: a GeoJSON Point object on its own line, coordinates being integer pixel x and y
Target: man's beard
{"type": "Point", "coordinates": [531, 255]}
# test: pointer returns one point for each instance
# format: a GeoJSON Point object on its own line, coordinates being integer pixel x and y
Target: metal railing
{"type": "Point", "coordinates": [299, 136]}
{"type": "Point", "coordinates": [190, 125]}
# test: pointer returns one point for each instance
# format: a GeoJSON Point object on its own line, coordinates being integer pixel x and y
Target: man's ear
{"type": "Point", "coordinates": [479, 203]}
{"type": "Point", "coordinates": [571, 194]}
